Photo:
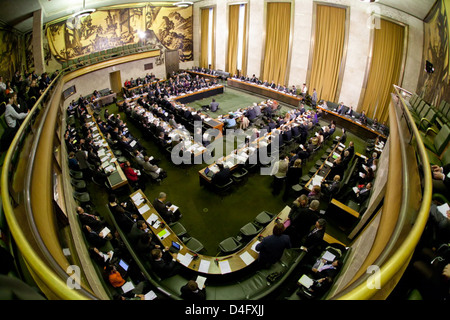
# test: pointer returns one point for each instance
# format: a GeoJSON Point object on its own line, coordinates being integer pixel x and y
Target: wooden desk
{"type": "Point", "coordinates": [116, 178]}
{"type": "Point", "coordinates": [212, 265]}
{"type": "Point", "coordinates": [199, 94]}
{"type": "Point", "coordinates": [105, 100]}
{"type": "Point", "coordinates": [204, 75]}
{"type": "Point", "coordinates": [265, 91]}
{"type": "Point", "coordinates": [351, 124]}
{"type": "Point", "coordinates": [324, 169]}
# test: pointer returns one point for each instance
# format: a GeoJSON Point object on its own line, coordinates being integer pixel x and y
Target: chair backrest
{"type": "Point", "coordinates": [413, 100]}
{"type": "Point", "coordinates": [442, 138]}
{"type": "Point", "coordinates": [426, 108]}
{"type": "Point", "coordinates": [420, 106]}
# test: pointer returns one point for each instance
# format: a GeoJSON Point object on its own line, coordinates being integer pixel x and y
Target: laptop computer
{"type": "Point", "coordinates": [123, 265]}
{"type": "Point", "coordinates": [175, 247]}
{"type": "Point", "coordinates": [208, 172]}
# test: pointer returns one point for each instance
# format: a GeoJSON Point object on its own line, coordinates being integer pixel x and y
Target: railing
{"type": "Point", "coordinates": [15, 183]}
{"type": "Point", "coordinates": [398, 258]}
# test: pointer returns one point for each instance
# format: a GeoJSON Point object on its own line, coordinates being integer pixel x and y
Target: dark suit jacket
{"type": "Point", "coordinates": [271, 248]}
{"type": "Point", "coordinates": [314, 239]}
{"type": "Point", "coordinates": [165, 213]}
{"type": "Point", "coordinates": [165, 267]}
{"type": "Point", "coordinates": [187, 294]}
{"type": "Point", "coordinates": [222, 177]}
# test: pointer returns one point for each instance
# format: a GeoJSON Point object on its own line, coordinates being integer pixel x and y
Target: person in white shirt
{"type": "Point", "coordinates": [304, 90]}
{"type": "Point", "coordinates": [11, 115]}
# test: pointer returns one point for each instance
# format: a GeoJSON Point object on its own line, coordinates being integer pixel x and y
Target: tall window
{"type": "Point", "coordinates": [237, 34]}
{"type": "Point", "coordinates": [207, 55]}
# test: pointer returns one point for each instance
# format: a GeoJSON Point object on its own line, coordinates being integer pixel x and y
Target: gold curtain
{"type": "Point", "coordinates": [233, 31]}
{"type": "Point", "coordinates": [328, 49]}
{"type": "Point", "coordinates": [233, 38]}
{"type": "Point", "coordinates": [384, 70]}
{"type": "Point", "coordinates": [278, 23]}
{"type": "Point", "coordinates": [204, 38]}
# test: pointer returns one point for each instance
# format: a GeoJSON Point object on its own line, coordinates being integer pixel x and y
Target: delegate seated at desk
{"type": "Point", "coordinates": [230, 122]}
{"type": "Point", "coordinates": [221, 177]}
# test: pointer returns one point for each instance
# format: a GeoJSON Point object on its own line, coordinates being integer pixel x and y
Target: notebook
{"type": "Point", "coordinates": [306, 281]}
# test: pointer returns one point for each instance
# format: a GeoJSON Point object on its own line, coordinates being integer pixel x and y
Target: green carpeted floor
{"type": "Point", "coordinates": [207, 216]}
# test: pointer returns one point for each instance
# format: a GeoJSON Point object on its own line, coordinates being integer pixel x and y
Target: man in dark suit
{"type": "Point", "coordinates": [315, 237]}
{"type": "Point", "coordinates": [160, 205]}
{"type": "Point", "coordinates": [441, 178]}
{"type": "Point", "coordinates": [222, 177]}
{"type": "Point", "coordinates": [340, 108]}
{"type": "Point", "coordinates": [163, 263]}
{"type": "Point", "coordinates": [137, 230]}
{"type": "Point", "coordinates": [302, 219]}
{"type": "Point", "coordinates": [271, 248]}
{"type": "Point", "coordinates": [214, 105]}
{"type": "Point", "coordinates": [191, 291]}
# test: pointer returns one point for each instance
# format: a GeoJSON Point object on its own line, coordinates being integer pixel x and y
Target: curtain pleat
{"type": "Point", "coordinates": [384, 70]}
{"type": "Point", "coordinates": [278, 25]}
{"type": "Point", "coordinates": [328, 50]}
{"type": "Point", "coordinates": [233, 30]}
{"type": "Point", "coordinates": [204, 38]}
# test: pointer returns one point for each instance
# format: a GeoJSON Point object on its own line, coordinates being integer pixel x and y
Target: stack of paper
{"type": "Point", "coordinates": [328, 256]}
{"type": "Point", "coordinates": [150, 295]}
{"type": "Point", "coordinates": [224, 266]}
{"type": "Point", "coordinates": [306, 281]}
{"type": "Point", "coordinates": [144, 209]}
{"type": "Point", "coordinates": [200, 281]}
{"type": "Point", "coordinates": [204, 266]}
{"type": "Point", "coordinates": [247, 258]}
{"type": "Point", "coordinates": [185, 259]}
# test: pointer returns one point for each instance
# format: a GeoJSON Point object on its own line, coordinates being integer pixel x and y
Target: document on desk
{"type": "Point", "coordinates": [328, 256]}
{"type": "Point", "coordinates": [443, 209]}
{"type": "Point", "coordinates": [317, 180]}
{"type": "Point", "coordinates": [150, 295]}
{"type": "Point", "coordinates": [152, 219]}
{"type": "Point", "coordinates": [173, 208]}
{"type": "Point", "coordinates": [204, 266]}
{"type": "Point", "coordinates": [247, 258]}
{"type": "Point", "coordinates": [185, 259]}
{"type": "Point", "coordinates": [224, 266]}
{"type": "Point", "coordinates": [144, 209]}
{"type": "Point", "coordinates": [136, 197]}
{"type": "Point", "coordinates": [163, 234]}
{"type": "Point", "coordinates": [128, 286]}
{"type": "Point", "coordinates": [254, 246]}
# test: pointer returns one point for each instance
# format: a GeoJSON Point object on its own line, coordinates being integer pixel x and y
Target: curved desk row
{"type": "Point", "coordinates": [198, 262]}
{"type": "Point", "coordinates": [293, 100]}
{"type": "Point", "coordinates": [351, 124]}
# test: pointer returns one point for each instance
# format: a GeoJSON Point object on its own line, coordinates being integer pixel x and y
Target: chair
{"type": "Point", "coordinates": [229, 245]}
{"type": "Point", "coordinates": [239, 175]}
{"type": "Point", "coordinates": [79, 185]}
{"type": "Point", "coordinates": [82, 197]}
{"type": "Point", "coordinates": [193, 244]}
{"type": "Point", "coordinates": [264, 217]}
{"type": "Point", "coordinates": [76, 174]}
{"type": "Point", "coordinates": [178, 229]}
{"type": "Point", "coordinates": [223, 188]}
{"type": "Point", "coordinates": [250, 229]}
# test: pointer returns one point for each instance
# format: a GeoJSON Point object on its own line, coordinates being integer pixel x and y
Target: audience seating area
{"type": "Point", "coordinates": [107, 54]}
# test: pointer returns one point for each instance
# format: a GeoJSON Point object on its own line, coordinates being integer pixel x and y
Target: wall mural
{"type": "Point", "coordinates": [167, 28]}
{"type": "Point", "coordinates": [434, 87]}
{"type": "Point", "coordinates": [10, 56]}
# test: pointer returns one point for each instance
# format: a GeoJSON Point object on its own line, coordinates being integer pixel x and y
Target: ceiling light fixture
{"type": "Point", "coordinates": [183, 4]}
{"type": "Point", "coordinates": [83, 13]}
